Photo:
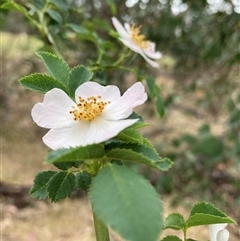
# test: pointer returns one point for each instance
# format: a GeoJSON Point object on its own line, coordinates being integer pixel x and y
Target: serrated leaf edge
{"type": "Point", "coordinates": [230, 220]}
{"type": "Point", "coordinates": [68, 173]}
{"type": "Point", "coordinates": [56, 57]}
{"type": "Point", "coordinates": [43, 75]}
{"type": "Point", "coordinates": [76, 67]}
{"type": "Point", "coordinates": [42, 186]}
{"type": "Point", "coordinates": [174, 213]}
{"type": "Point", "coordinates": [70, 150]}
{"type": "Point", "coordinates": [212, 205]}
{"type": "Point", "coordinates": [79, 66]}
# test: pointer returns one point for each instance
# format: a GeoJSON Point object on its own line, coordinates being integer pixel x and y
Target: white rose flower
{"type": "Point", "coordinates": [131, 37]}
{"type": "Point", "coordinates": [98, 114]}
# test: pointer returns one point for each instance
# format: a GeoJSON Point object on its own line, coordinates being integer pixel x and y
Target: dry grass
{"type": "Point", "coordinates": [22, 153]}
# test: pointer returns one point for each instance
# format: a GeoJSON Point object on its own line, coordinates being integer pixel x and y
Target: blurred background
{"type": "Point", "coordinates": [199, 80]}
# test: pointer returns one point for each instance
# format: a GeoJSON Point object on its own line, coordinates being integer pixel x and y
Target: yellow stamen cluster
{"type": "Point", "coordinates": [137, 37]}
{"type": "Point", "coordinates": [88, 109]}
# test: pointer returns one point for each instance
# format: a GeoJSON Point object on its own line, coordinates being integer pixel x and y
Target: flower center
{"type": "Point", "coordinates": [137, 37]}
{"type": "Point", "coordinates": [88, 109]}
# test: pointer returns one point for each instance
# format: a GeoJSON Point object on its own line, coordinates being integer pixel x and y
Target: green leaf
{"type": "Point", "coordinates": [136, 153]}
{"type": "Point", "coordinates": [56, 66]}
{"type": "Point", "coordinates": [39, 3]}
{"type": "Point", "coordinates": [127, 203]}
{"type": "Point", "coordinates": [146, 142]}
{"type": "Point", "coordinates": [209, 145]}
{"type": "Point", "coordinates": [15, 6]}
{"type": "Point", "coordinates": [100, 23]}
{"type": "Point", "coordinates": [140, 123]}
{"type": "Point", "coordinates": [83, 180]}
{"type": "Point", "coordinates": [171, 238]}
{"type": "Point", "coordinates": [78, 76]}
{"type": "Point", "coordinates": [206, 213]}
{"type": "Point", "coordinates": [174, 221]}
{"type": "Point", "coordinates": [39, 188]}
{"type": "Point", "coordinates": [130, 135]}
{"type": "Point", "coordinates": [41, 83]}
{"type": "Point", "coordinates": [55, 15]}
{"type": "Point", "coordinates": [113, 7]}
{"type": "Point", "coordinates": [61, 4]}
{"type": "Point", "coordinates": [160, 105]}
{"type": "Point", "coordinates": [85, 34]}
{"type": "Point", "coordinates": [191, 140]}
{"type": "Point", "coordinates": [165, 164]}
{"type": "Point", "coordinates": [95, 151]}
{"type": "Point", "coordinates": [100, 77]}
{"type": "Point", "coordinates": [151, 85]}
{"type": "Point", "coordinates": [78, 29]}
{"type": "Point", "coordinates": [67, 165]}
{"type": "Point", "coordinates": [60, 186]}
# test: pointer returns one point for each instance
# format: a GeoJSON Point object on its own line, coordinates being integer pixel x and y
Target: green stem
{"type": "Point", "coordinates": [99, 56]}
{"type": "Point", "coordinates": [43, 29]}
{"type": "Point", "coordinates": [185, 234]}
{"type": "Point", "coordinates": [101, 229]}
{"type": "Point", "coordinates": [124, 55]}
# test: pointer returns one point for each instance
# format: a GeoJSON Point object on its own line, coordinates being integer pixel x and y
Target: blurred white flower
{"type": "Point", "coordinates": [131, 37]}
{"type": "Point", "coordinates": [218, 232]}
{"type": "Point", "coordinates": [98, 114]}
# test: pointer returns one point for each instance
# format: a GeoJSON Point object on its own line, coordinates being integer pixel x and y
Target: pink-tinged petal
{"type": "Point", "coordinates": [133, 46]}
{"type": "Point", "coordinates": [85, 133]}
{"type": "Point", "coordinates": [151, 46]}
{"type": "Point", "coordinates": [53, 112]}
{"type": "Point", "coordinates": [88, 89]}
{"type": "Point", "coordinates": [153, 63]}
{"type": "Point", "coordinates": [126, 37]}
{"type": "Point", "coordinates": [214, 229]}
{"type": "Point", "coordinates": [151, 54]}
{"type": "Point", "coordinates": [122, 107]}
{"type": "Point", "coordinates": [120, 29]}
{"type": "Point", "coordinates": [223, 235]}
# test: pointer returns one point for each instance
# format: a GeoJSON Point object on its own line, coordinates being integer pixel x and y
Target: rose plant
{"type": "Point", "coordinates": [94, 132]}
